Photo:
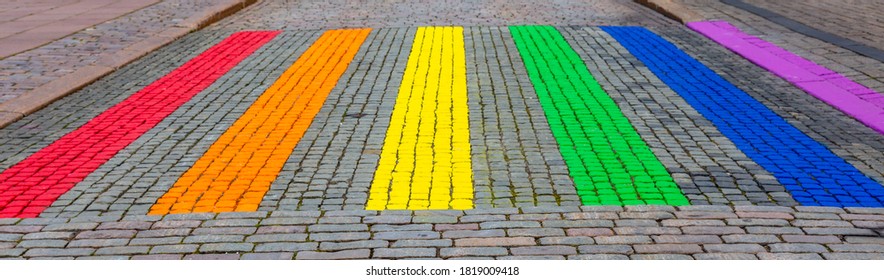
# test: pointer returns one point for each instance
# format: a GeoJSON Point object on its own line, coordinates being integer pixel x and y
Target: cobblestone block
{"type": "Point", "coordinates": [224, 231]}
{"type": "Point", "coordinates": [734, 248]}
{"type": "Point", "coordinates": [43, 243]}
{"type": "Point", "coordinates": [174, 249]}
{"type": "Point", "coordinates": [472, 252]}
{"type": "Point", "coordinates": [765, 215]}
{"type": "Point", "coordinates": [712, 230]}
{"type": "Point", "coordinates": [623, 239]}
{"type": "Point", "coordinates": [757, 222]}
{"type": "Point", "coordinates": [751, 238]}
{"type": "Point", "coordinates": [281, 229]}
{"type": "Point", "coordinates": [544, 250]}
{"type": "Point", "coordinates": [774, 230]}
{"type": "Point", "coordinates": [176, 224]}
{"type": "Point", "coordinates": [598, 257]}
{"type": "Point", "coordinates": [97, 243]}
{"type": "Point", "coordinates": [494, 241]}
{"type": "Point", "coordinates": [589, 232]}
{"type": "Point", "coordinates": [422, 243]}
{"type": "Point", "coordinates": [339, 255]}
{"type": "Point", "coordinates": [158, 257]}
{"type": "Point", "coordinates": [396, 253]}
{"type": "Point", "coordinates": [387, 219]}
{"type": "Point", "coordinates": [435, 219]}
{"type": "Point", "coordinates": [532, 257]}
{"type": "Point", "coordinates": [71, 226]}
{"type": "Point", "coordinates": [399, 235]}
{"type": "Point", "coordinates": [687, 239]}
{"type": "Point", "coordinates": [840, 231]}
{"type": "Point", "coordinates": [213, 238]}
{"type": "Point", "coordinates": [286, 247]}
{"type": "Point", "coordinates": [225, 256]}
{"type": "Point", "coordinates": [667, 248]}
{"type": "Point", "coordinates": [535, 232]}
{"type": "Point", "coordinates": [163, 232]}
{"type": "Point", "coordinates": [104, 234]}
{"type": "Point", "coordinates": [20, 229]}
{"type": "Point", "coordinates": [226, 247]}
{"type": "Point", "coordinates": [447, 227]}
{"type": "Point", "coordinates": [853, 256]}
{"type": "Point", "coordinates": [819, 239]}
{"type": "Point", "coordinates": [125, 250]}
{"type": "Point", "coordinates": [40, 235]}
{"type": "Point", "coordinates": [336, 237]}
{"type": "Point", "coordinates": [864, 239]}
{"type": "Point", "coordinates": [591, 216]}
{"type": "Point", "coordinates": [57, 252]}
{"type": "Point", "coordinates": [473, 233]}
{"type": "Point", "coordinates": [268, 256]}
{"type": "Point", "coordinates": [362, 244]}
{"type": "Point", "coordinates": [660, 257]}
{"type": "Point", "coordinates": [789, 256]}
{"type": "Point", "coordinates": [277, 237]}
{"type": "Point", "coordinates": [289, 221]}
{"type": "Point", "coordinates": [857, 248]}
{"type": "Point", "coordinates": [409, 227]}
{"type": "Point", "coordinates": [15, 252]}
{"type": "Point", "coordinates": [646, 230]}
{"type": "Point", "coordinates": [797, 248]}
{"type": "Point", "coordinates": [567, 240]}
{"type": "Point", "coordinates": [156, 241]}
{"type": "Point", "coordinates": [337, 227]}
{"type": "Point", "coordinates": [125, 225]}
{"type": "Point", "coordinates": [509, 224]}
{"type": "Point", "coordinates": [637, 223]}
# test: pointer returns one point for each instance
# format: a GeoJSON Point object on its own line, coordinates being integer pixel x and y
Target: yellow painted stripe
{"type": "Point", "coordinates": [425, 161]}
{"type": "Point", "coordinates": [237, 170]}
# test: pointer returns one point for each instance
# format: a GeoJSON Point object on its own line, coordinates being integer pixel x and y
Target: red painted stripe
{"type": "Point", "coordinates": [27, 188]}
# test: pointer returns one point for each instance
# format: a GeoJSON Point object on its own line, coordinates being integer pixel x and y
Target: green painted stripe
{"type": "Point", "coordinates": [608, 160]}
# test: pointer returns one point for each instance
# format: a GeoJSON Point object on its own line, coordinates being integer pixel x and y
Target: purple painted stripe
{"type": "Point", "coordinates": [855, 100]}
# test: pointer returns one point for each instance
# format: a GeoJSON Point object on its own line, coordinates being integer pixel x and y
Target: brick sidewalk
{"type": "Point", "coordinates": [29, 80]}
{"type": "Point", "coordinates": [27, 25]}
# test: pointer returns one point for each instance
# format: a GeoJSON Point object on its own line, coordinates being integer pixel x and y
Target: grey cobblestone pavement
{"type": "Point", "coordinates": [525, 203]}
{"type": "Point", "coordinates": [516, 161]}
{"type": "Point", "coordinates": [838, 19]}
{"type": "Point", "coordinates": [567, 232]}
{"type": "Point", "coordinates": [858, 68]}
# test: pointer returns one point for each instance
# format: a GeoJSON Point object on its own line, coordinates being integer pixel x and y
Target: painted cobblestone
{"type": "Point", "coordinates": [809, 171]}
{"type": "Point", "coordinates": [857, 144]}
{"type": "Point", "coordinates": [31, 185]}
{"type": "Point", "coordinates": [425, 162]}
{"type": "Point", "coordinates": [237, 170]}
{"type": "Point", "coordinates": [676, 131]}
{"type": "Point", "coordinates": [130, 184]}
{"type": "Point", "coordinates": [607, 159]}
{"type": "Point", "coordinates": [525, 201]}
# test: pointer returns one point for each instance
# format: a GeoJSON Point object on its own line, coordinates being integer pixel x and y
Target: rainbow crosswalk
{"type": "Point", "coordinates": [425, 161]}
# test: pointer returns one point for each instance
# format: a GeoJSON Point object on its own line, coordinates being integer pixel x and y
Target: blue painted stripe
{"type": "Point", "coordinates": [809, 171]}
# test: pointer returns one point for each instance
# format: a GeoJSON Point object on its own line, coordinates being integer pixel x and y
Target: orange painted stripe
{"type": "Point", "coordinates": [237, 170]}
